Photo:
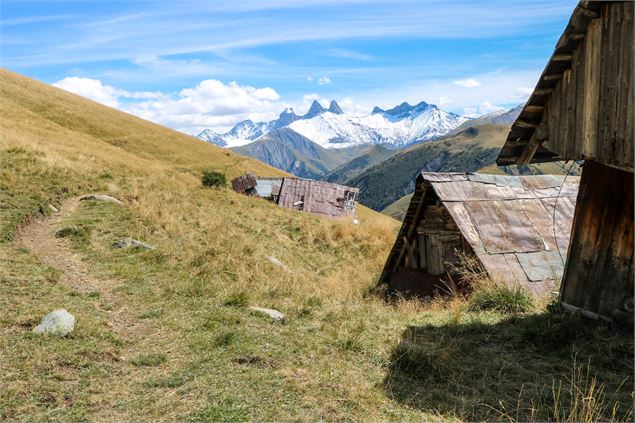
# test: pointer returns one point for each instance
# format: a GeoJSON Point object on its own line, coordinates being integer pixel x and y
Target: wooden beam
{"type": "Point", "coordinates": [562, 57]}
{"type": "Point", "coordinates": [552, 77]}
{"type": "Point", "coordinates": [524, 124]}
{"type": "Point", "coordinates": [532, 146]}
{"type": "Point", "coordinates": [528, 153]}
{"type": "Point", "coordinates": [533, 109]}
{"type": "Point", "coordinates": [589, 13]}
{"type": "Point", "coordinates": [543, 91]}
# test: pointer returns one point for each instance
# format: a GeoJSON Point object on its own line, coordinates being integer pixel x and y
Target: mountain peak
{"type": "Point", "coordinates": [286, 117]}
{"type": "Point", "coordinates": [405, 109]}
{"type": "Point", "coordinates": [316, 109]}
{"type": "Point", "coordinates": [335, 108]}
{"type": "Point", "coordinates": [377, 110]}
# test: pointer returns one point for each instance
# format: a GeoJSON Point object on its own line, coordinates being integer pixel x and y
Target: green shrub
{"type": "Point", "coordinates": [77, 233]}
{"type": "Point", "coordinates": [149, 360]}
{"type": "Point", "coordinates": [212, 178]}
{"type": "Point", "coordinates": [502, 298]}
{"type": "Point", "coordinates": [239, 299]}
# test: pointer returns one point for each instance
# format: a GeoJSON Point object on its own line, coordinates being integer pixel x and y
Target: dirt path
{"type": "Point", "coordinates": [39, 238]}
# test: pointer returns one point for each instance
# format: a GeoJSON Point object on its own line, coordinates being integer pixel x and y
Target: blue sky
{"type": "Point", "coordinates": [152, 57]}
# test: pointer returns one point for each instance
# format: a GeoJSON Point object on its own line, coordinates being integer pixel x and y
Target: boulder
{"type": "Point", "coordinates": [276, 315]}
{"type": "Point", "coordinates": [59, 322]}
{"type": "Point", "coordinates": [100, 197]}
{"type": "Point", "coordinates": [132, 243]}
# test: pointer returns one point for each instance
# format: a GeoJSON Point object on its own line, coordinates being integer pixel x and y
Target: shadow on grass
{"type": "Point", "coordinates": [541, 367]}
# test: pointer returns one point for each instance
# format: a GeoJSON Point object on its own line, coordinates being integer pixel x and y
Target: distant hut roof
{"type": "Point", "coordinates": [244, 183]}
{"type": "Point", "coordinates": [318, 197]}
{"type": "Point", "coordinates": [509, 222]}
{"type": "Point", "coordinates": [588, 78]}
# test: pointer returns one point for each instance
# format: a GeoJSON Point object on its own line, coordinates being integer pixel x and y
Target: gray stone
{"type": "Point", "coordinates": [59, 322]}
{"type": "Point", "coordinates": [276, 315]}
{"type": "Point", "coordinates": [100, 197]}
{"type": "Point", "coordinates": [132, 243]}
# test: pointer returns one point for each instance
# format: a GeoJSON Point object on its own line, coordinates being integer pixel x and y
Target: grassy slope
{"type": "Point", "coordinates": [398, 209]}
{"type": "Point", "coordinates": [337, 358]}
{"type": "Point", "coordinates": [388, 181]}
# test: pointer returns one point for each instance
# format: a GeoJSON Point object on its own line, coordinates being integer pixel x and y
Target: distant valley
{"type": "Point", "coordinates": [381, 153]}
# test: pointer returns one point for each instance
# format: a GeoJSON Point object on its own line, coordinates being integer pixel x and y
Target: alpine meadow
{"type": "Point", "coordinates": [335, 211]}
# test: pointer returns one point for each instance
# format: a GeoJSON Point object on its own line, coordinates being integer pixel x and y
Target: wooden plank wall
{"type": "Point", "coordinates": [599, 272]}
{"type": "Point", "coordinates": [590, 113]}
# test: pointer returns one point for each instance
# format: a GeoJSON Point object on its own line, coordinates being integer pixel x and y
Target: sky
{"type": "Point", "coordinates": [195, 64]}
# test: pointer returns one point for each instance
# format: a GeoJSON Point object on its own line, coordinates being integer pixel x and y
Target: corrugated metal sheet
{"type": "Point", "coordinates": [518, 226]}
{"type": "Point", "coordinates": [265, 186]}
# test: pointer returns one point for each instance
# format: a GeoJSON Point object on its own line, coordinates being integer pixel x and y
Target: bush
{"type": "Point", "coordinates": [500, 297]}
{"type": "Point", "coordinates": [239, 299]}
{"type": "Point", "coordinates": [211, 178]}
{"type": "Point", "coordinates": [77, 233]}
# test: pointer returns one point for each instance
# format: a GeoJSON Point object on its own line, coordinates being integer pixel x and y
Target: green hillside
{"type": "Point", "coordinates": [374, 155]}
{"type": "Point", "coordinates": [166, 334]}
{"type": "Point", "coordinates": [287, 150]}
{"type": "Point", "coordinates": [398, 209]}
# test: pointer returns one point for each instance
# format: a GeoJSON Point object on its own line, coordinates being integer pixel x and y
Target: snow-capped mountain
{"type": "Point", "coordinates": [332, 128]}
{"type": "Point", "coordinates": [397, 127]}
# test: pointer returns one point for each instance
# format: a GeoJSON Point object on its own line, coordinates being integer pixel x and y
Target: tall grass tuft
{"type": "Point", "coordinates": [496, 296]}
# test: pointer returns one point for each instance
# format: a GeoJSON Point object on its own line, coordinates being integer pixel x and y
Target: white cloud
{"type": "Point", "coordinates": [104, 94]}
{"type": "Point", "coordinates": [309, 78]}
{"type": "Point", "coordinates": [521, 93]}
{"type": "Point", "coordinates": [353, 108]}
{"type": "Point", "coordinates": [468, 83]}
{"type": "Point", "coordinates": [444, 101]}
{"type": "Point", "coordinates": [482, 109]}
{"type": "Point", "coordinates": [324, 80]}
{"type": "Point", "coordinates": [90, 88]}
{"type": "Point", "coordinates": [210, 104]}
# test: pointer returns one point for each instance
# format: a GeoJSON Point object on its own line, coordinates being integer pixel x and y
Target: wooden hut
{"type": "Point", "coordinates": [516, 226]}
{"type": "Point", "coordinates": [317, 197]}
{"type": "Point", "coordinates": [582, 109]}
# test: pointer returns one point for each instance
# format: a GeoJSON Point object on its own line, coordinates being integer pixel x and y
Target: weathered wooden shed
{"type": "Point", "coordinates": [317, 197]}
{"type": "Point", "coordinates": [582, 109]}
{"type": "Point", "coordinates": [517, 226]}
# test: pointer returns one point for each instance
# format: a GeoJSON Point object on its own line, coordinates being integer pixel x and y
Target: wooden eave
{"type": "Point", "coordinates": [520, 135]}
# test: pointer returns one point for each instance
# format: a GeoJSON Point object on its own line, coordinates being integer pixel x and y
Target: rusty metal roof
{"type": "Point", "coordinates": [317, 197]}
{"type": "Point", "coordinates": [509, 221]}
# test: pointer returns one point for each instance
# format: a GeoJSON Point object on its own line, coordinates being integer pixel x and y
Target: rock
{"type": "Point", "coordinates": [53, 208]}
{"type": "Point", "coordinates": [100, 197]}
{"type": "Point", "coordinates": [276, 315]}
{"type": "Point", "coordinates": [277, 262]}
{"type": "Point", "coordinates": [59, 322]}
{"type": "Point", "coordinates": [132, 243]}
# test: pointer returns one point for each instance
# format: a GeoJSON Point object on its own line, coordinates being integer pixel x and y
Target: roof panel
{"type": "Point", "coordinates": [542, 265]}
{"type": "Point", "coordinates": [504, 227]}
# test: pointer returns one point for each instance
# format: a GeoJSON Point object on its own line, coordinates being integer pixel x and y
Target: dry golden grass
{"type": "Point", "coordinates": [192, 350]}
